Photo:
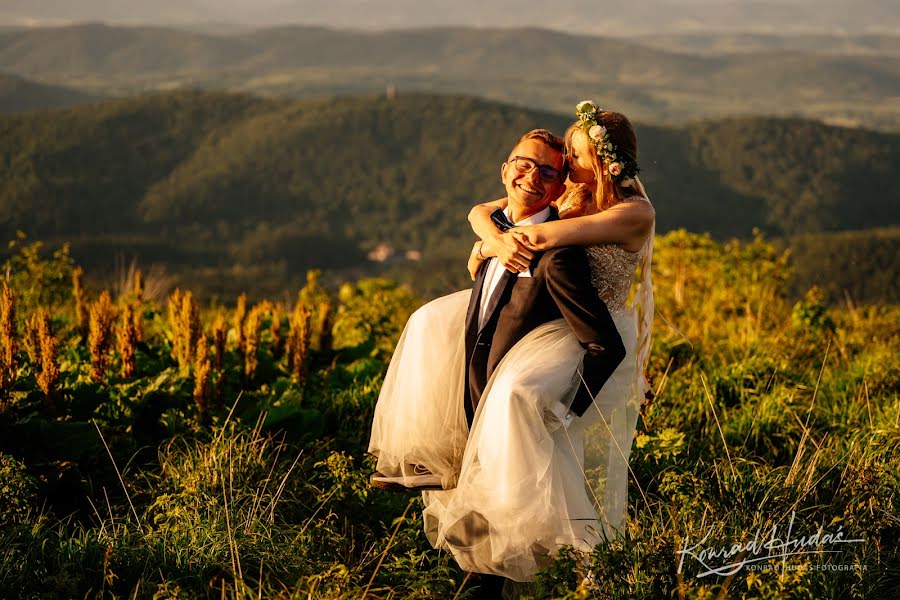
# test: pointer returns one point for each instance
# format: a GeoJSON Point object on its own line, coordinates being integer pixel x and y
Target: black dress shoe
{"type": "Point", "coordinates": [488, 587]}
{"type": "Point", "coordinates": [390, 484]}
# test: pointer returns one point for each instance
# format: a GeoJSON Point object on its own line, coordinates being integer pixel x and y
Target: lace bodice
{"type": "Point", "coordinates": [612, 272]}
{"type": "Point", "coordinates": [612, 267]}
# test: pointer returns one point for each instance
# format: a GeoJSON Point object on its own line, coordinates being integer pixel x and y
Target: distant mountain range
{"type": "Point", "coordinates": [728, 43]}
{"type": "Point", "coordinates": [209, 180]}
{"type": "Point", "coordinates": [582, 16]}
{"type": "Point", "coordinates": [530, 67]}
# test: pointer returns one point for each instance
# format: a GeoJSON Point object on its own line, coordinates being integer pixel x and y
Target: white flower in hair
{"type": "Point", "coordinates": [597, 132]}
{"type": "Point", "coordinates": [586, 106]}
{"type": "Point", "coordinates": [615, 169]}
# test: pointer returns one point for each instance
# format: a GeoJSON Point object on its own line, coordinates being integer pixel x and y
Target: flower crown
{"type": "Point", "coordinates": [622, 171]}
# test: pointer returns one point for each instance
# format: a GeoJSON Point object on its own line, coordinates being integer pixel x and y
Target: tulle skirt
{"type": "Point", "coordinates": [521, 488]}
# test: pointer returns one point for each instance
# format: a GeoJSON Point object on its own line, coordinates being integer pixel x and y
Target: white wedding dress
{"type": "Point", "coordinates": [520, 489]}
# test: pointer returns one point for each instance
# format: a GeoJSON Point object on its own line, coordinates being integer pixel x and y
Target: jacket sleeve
{"type": "Point", "coordinates": [568, 277]}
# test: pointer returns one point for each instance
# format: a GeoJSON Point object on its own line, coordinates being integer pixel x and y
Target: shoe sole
{"type": "Point", "coordinates": [391, 486]}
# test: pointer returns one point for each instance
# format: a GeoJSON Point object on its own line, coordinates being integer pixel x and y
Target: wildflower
{"type": "Point", "coordinates": [102, 317]}
{"type": "Point", "coordinates": [126, 340]}
{"type": "Point", "coordinates": [7, 337]}
{"type": "Point", "coordinates": [202, 379]}
{"type": "Point", "coordinates": [81, 311]}
{"type": "Point", "coordinates": [48, 377]}
{"type": "Point", "coordinates": [298, 341]}
{"type": "Point", "coordinates": [597, 132]}
{"type": "Point", "coordinates": [586, 107]}
{"type": "Point", "coordinates": [251, 341]}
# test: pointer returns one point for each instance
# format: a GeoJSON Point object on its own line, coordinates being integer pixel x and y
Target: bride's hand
{"type": "Point", "coordinates": [512, 255]}
{"type": "Point", "coordinates": [530, 237]}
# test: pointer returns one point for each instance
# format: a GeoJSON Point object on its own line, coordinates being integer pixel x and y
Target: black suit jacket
{"type": "Point", "coordinates": [560, 286]}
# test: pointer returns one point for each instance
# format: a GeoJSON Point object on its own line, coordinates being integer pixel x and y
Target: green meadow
{"type": "Point", "coordinates": [155, 447]}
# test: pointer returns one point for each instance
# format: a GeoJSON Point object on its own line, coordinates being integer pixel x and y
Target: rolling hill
{"type": "Point", "coordinates": [535, 68]}
{"type": "Point", "coordinates": [214, 179]}
{"type": "Point", "coordinates": [885, 44]}
{"type": "Point", "coordinates": [18, 94]}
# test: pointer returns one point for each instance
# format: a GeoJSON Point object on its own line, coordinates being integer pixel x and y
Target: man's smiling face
{"type": "Point", "coordinates": [528, 193]}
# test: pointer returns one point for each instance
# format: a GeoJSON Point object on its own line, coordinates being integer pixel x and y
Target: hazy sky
{"type": "Point", "coordinates": [587, 16]}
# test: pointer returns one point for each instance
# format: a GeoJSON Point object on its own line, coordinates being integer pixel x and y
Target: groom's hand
{"type": "Point", "coordinates": [557, 415]}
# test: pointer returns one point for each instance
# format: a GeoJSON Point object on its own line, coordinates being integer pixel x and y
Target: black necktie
{"type": "Point", "coordinates": [501, 220]}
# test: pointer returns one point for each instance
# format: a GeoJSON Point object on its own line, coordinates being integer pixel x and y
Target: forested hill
{"type": "Point", "coordinates": [212, 177]}
{"type": "Point", "coordinates": [531, 67]}
{"type": "Point", "coordinates": [19, 94]}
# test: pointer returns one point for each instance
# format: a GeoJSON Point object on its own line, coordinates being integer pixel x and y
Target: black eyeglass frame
{"type": "Point", "coordinates": [559, 175]}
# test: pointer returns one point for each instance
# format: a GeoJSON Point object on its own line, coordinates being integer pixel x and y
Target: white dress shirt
{"type": "Point", "coordinates": [495, 269]}
{"type": "Point", "coordinates": [561, 415]}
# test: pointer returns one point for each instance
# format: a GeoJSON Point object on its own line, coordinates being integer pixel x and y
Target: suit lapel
{"type": "Point", "coordinates": [475, 300]}
{"type": "Point", "coordinates": [505, 282]}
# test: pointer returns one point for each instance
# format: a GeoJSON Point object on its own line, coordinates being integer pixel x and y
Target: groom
{"type": "Point", "coordinates": [505, 306]}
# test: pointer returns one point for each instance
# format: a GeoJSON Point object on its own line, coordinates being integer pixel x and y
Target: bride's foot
{"type": "Point", "coordinates": [409, 484]}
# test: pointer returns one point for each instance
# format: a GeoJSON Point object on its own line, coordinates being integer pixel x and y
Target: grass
{"type": "Point", "coordinates": [766, 411]}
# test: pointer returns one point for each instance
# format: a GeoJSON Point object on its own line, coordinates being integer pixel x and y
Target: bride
{"type": "Point", "coordinates": [503, 496]}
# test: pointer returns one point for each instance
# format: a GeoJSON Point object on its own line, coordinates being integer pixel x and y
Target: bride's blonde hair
{"type": "Point", "coordinates": [621, 134]}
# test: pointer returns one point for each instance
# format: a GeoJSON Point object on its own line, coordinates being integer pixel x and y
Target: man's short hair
{"type": "Point", "coordinates": [549, 138]}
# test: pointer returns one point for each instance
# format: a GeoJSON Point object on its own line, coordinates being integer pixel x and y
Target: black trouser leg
{"type": "Point", "coordinates": [490, 587]}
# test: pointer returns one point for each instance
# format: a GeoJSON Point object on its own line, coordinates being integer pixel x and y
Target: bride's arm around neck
{"type": "Point", "coordinates": [627, 224]}
{"type": "Point", "coordinates": [480, 218]}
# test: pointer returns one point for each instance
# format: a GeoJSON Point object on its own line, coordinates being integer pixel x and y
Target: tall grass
{"type": "Point", "coordinates": [766, 410]}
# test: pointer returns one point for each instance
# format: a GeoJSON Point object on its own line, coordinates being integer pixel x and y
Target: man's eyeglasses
{"type": "Point", "coordinates": [526, 165]}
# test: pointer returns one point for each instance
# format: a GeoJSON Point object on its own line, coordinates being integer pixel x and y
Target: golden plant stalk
{"type": "Point", "coordinates": [275, 330]}
{"type": "Point", "coordinates": [138, 286]}
{"type": "Point", "coordinates": [202, 371]}
{"type": "Point", "coordinates": [324, 325]}
{"type": "Point", "coordinates": [184, 321]}
{"type": "Point", "coordinates": [138, 304]}
{"type": "Point", "coordinates": [126, 340]}
{"type": "Point", "coordinates": [7, 338]}
{"type": "Point", "coordinates": [220, 333]}
{"type": "Point", "coordinates": [138, 322]}
{"type": "Point", "coordinates": [82, 316]}
{"type": "Point", "coordinates": [32, 341]}
{"type": "Point", "coordinates": [252, 330]}
{"type": "Point", "coordinates": [240, 315]}
{"type": "Point", "coordinates": [173, 307]}
{"type": "Point", "coordinates": [48, 377]}
{"type": "Point", "coordinates": [8, 327]}
{"type": "Point", "coordinates": [190, 317]}
{"type": "Point", "coordinates": [102, 318]}
{"type": "Point", "coordinates": [298, 342]}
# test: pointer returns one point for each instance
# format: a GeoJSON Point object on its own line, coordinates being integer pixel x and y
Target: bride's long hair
{"type": "Point", "coordinates": [586, 199]}
{"type": "Point", "coordinates": [605, 192]}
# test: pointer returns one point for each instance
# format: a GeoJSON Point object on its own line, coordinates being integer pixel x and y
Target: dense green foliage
{"type": "Point", "coordinates": [532, 67]}
{"type": "Point", "coordinates": [233, 191]}
{"type": "Point", "coordinates": [764, 407]}
{"type": "Point", "coordinates": [858, 264]}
